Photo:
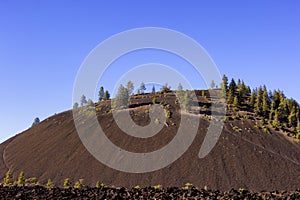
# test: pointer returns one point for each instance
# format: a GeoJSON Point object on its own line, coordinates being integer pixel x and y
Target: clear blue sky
{"type": "Point", "coordinates": [43, 43]}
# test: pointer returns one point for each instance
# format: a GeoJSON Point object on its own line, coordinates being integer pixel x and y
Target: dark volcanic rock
{"type": "Point", "coordinates": [39, 192]}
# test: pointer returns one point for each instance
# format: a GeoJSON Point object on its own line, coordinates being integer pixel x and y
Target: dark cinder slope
{"type": "Point", "coordinates": [250, 158]}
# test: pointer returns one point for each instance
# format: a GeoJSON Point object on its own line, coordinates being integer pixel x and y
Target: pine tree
{"type": "Point", "coordinates": [83, 101]}
{"type": "Point", "coordinates": [266, 103]}
{"type": "Point", "coordinates": [7, 181]}
{"type": "Point", "coordinates": [292, 118]}
{"type": "Point", "coordinates": [101, 93]}
{"type": "Point", "coordinates": [224, 86]}
{"type": "Point", "coordinates": [142, 88]}
{"type": "Point", "coordinates": [166, 88]}
{"type": "Point", "coordinates": [130, 87]}
{"type": "Point", "coordinates": [122, 97]}
{"type": "Point", "coordinates": [67, 183]}
{"type": "Point", "coordinates": [276, 100]}
{"type": "Point", "coordinates": [75, 106]}
{"type": "Point", "coordinates": [36, 121]}
{"type": "Point", "coordinates": [106, 95]}
{"type": "Point", "coordinates": [283, 109]}
{"type": "Point", "coordinates": [90, 103]}
{"type": "Point", "coordinates": [231, 92]}
{"type": "Point", "coordinates": [180, 92]}
{"type": "Point", "coordinates": [276, 122]}
{"type": "Point", "coordinates": [236, 102]}
{"type": "Point", "coordinates": [153, 89]}
{"type": "Point", "coordinates": [253, 99]}
{"type": "Point", "coordinates": [187, 102]}
{"type": "Point", "coordinates": [21, 179]}
{"type": "Point", "coordinates": [259, 102]}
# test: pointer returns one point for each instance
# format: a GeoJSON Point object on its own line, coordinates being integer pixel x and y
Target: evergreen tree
{"type": "Point", "coordinates": [106, 95]}
{"type": "Point", "coordinates": [180, 92]}
{"type": "Point", "coordinates": [90, 103]}
{"type": "Point", "coordinates": [187, 102]}
{"type": "Point", "coordinates": [276, 100]}
{"type": "Point", "coordinates": [276, 122]}
{"type": "Point", "coordinates": [153, 89]}
{"type": "Point", "coordinates": [259, 102]}
{"type": "Point", "coordinates": [36, 121]}
{"type": "Point", "coordinates": [130, 87]}
{"type": "Point", "coordinates": [8, 180]}
{"type": "Point", "coordinates": [224, 86]}
{"type": "Point", "coordinates": [122, 97]}
{"type": "Point", "coordinates": [166, 88]}
{"type": "Point", "coordinates": [101, 93]}
{"type": "Point", "coordinates": [293, 119]}
{"type": "Point", "coordinates": [236, 102]}
{"type": "Point", "coordinates": [142, 88]}
{"type": "Point", "coordinates": [75, 106]}
{"type": "Point", "coordinates": [21, 179]}
{"type": "Point", "coordinates": [83, 101]}
{"type": "Point", "coordinates": [67, 183]}
{"type": "Point", "coordinates": [283, 109]}
{"type": "Point", "coordinates": [266, 103]}
{"type": "Point", "coordinates": [253, 97]}
{"type": "Point", "coordinates": [231, 91]}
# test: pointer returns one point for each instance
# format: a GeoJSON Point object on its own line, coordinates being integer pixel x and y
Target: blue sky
{"type": "Point", "coordinates": [43, 43]}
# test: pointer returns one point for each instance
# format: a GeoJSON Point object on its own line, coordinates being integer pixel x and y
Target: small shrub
{"type": "Point", "coordinates": [137, 187]}
{"type": "Point", "coordinates": [236, 129]}
{"type": "Point", "coordinates": [21, 179]}
{"type": "Point", "coordinates": [98, 108]}
{"type": "Point", "coordinates": [237, 117]}
{"type": "Point", "coordinates": [263, 121]}
{"type": "Point", "coordinates": [246, 116]}
{"type": "Point", "coordinates": [8, 180]}
{"type": "Point", "coordinates": [100, 184]}
{"type": "Point", "coordinates": [168, 114]}
{"type": "Point", "coordinates": [257, 127]}
{"type": "Point", "coordinates": [67, 183]}
{"type": "Point", "coordinates": [33, 181]}
{"type": "Point", "coordinates": [154, 100]}
{"type": "Point", "coordinates": [79, 184]}
{"type": "Point", "coordinates": [156, 121]}
{"type": "Point", "coordinates": [228, 118]}
{"type": "Point", "coordinates": [157, 186]}
{"type": "Point", "coordinates": [187, 186]}
{"type": "Point", "coordinates": [50, 184]}
{"type": "Point", "coordinates": [266, 130]}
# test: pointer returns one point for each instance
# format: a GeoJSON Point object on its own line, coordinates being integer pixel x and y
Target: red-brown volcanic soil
{"type": "Point", "coordinates": [250, 159]}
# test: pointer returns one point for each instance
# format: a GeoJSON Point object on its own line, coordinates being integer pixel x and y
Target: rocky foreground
{"type": "Point", "coordinates": [39, 192]}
